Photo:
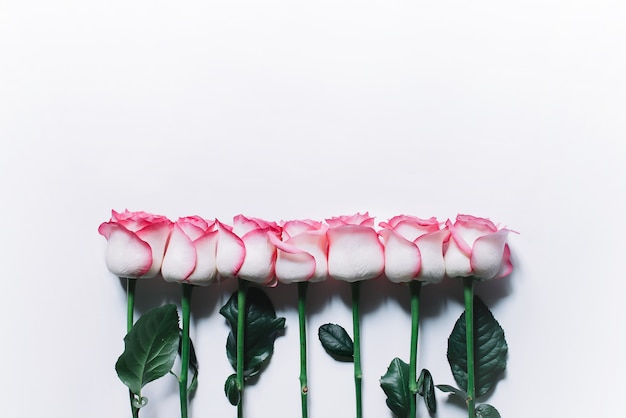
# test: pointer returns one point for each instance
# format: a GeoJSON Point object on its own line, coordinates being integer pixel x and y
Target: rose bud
{"type": "Point", "coordinates": [190, 254]}
{"type": "Point", "coordinates": [413, 249]}
{"type": "Point", "coordinates": [135, 243]}
{"type": "Point", "coordinates": [301, 254]}
{"type": "Point", "coordinates": [245, 250]}
{"type": "Point", "coordinates": [354, 249]}
{"type": "Point", "coordinates": [477, 248]}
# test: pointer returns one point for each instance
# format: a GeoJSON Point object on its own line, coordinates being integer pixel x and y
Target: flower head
{"type": "Point", "coordinates": [135, 243]}
{"type": "Point", "coordinates": [414, 249]}
{"type": "Point", "coordinates": [246, 251]}
{"type": "Point", "coordinates": [302, 251]}
{"type": "Point", "coordinates": [354, 248]}
{"type": "Point", "coordinates": [477, 248]}
{"type": "Point", "coordinates": [190, 254]}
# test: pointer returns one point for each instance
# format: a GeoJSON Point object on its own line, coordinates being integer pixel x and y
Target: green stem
{"type": "Point", "coordinates": [184, 354]}
{"type": "Point", "coordinates": [304, 389]}
{"type": "Point", "coordinates": [241, 327]}
{"type": "Point", "coordinates": [415, 287]}
{"type": "Point", "coordinates": [131, 284]}
{"type": "Point", "coordinates": [130, 320]}
{"type": "Point", "coordinates": [358, 374]}
{"type": "Point", "coordinates": [468, 295]}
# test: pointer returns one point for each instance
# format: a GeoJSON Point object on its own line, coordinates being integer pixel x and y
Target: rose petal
{"type": "Point", "coordinates": [292, 263]}
{"type": "Point", "coordinates": [180, 258]}
{"type": "Point", "coordinates": [206, 266]}
{"type": "Point", "coordinates": [196, 221]}
{"type": "Point", "coordinates": [483, 224]}
{"type": "Point", "coordinates": [193, 226]}
{"type": "Point", "coordinates": [461, 244]}
{"type": "Point", "coordinates": [242, 225]}
{"type": "Point", "coordinates": [426, 223]}
{"type": "Point", "coordinates": [134, 221]}
{"type": "Point", "coordinates": [316, 244]}
{"type": "Point", "coordinates": [302, 257]}
{"type": "Point", "coordinates": [488, 255]}
{"type": "Point", "coordinates": [364, 220]}
{"type": "Point", "coordinates": [260, 257]}
{"type": "Point", "coordinates": [402, 258]}
{"type": "Point", "coordinates": [457, 262]}
{"type": "Point", "coordinates": [297, 227]}
{"type": "Point", "coordinates": [467, 229]}
{"type": "Point", "coordinates": [126, 254]}
{"type": "Point", "coordinates": [413, 230]}
{"type": "Point", "coordinates": [156, 235]}
{"type": "Point", "coordinates": [355, 253]}
{"type": "Point", "coordinates": [433, 267]}
{"type": "Point", "coordinates": [231, 252]}
{"type": "Point", "coordinates": [507, 267]}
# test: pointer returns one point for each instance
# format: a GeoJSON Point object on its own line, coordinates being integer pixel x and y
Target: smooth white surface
{"type": "Point", "coordinates": [282, 109]}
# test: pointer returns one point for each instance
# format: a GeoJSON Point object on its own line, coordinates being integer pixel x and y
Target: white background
{"type": "Point", "coordinates": [282, 109]}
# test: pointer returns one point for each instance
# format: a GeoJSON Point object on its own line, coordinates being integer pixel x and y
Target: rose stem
{"type": "Point", "coordinates": [468, 295]}
{"type": "Point", "coordinates": [130, 320]}
{"type": "Point", "coordinates": [241, 327]}
{"type": "Point", "coordinates": [415, 287]}
{"type": "Point", "coordinates": [358, 374]}
{"type": "Point", "coordinates": [302, 288]}
{"type": "Point", "coordinates": [184, 371]}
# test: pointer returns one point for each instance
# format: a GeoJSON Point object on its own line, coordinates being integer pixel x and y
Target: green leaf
{"type": "Point", "coordinates": [150, 348]}
{"type": "Point", "coordinates": [454, 391]}
{"type": "Point", "coordinates": [262, 328]}
{"type": "Point", "coordinates": [426, 388]}
{"type": "Point", "coordinates": [490, 350]}
{"type": "Point", "coordinates": [395, 384]}
{"type": "Point", "coordinates": [336, 341]}
{"type": "Point", "coordinates": [231, 390]}
{"type": "Point", "coordinates": [486, 411]}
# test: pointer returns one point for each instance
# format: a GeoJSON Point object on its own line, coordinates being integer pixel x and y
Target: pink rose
{"type": "Point", "coordinates": [413, 249]}
{"type": "Point", "coordinates": [246, 251]}
{"type": "Point", "coordinates": [301, 252]}
{"type": "Point", "coordinates": [136, 243]}
{"type": "Point", "coordinates": [354, 248]}
{"type": "Point", "coordinates": [477, 248]}
{"type": "Point", "coordinates": [190, 254]}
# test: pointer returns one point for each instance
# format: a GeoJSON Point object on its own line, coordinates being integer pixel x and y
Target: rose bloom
{"type": "Point", "coordinates": [301, 254]}
{"type": "Point", "coordinates": [245, 250]}
{"type": "Point", "coordinates": [190, 254]}
{"type": "Point", "coordinates": [414, 249]}
{"type": "Point", "coordinates": [477, 248]}
{"type": "Point", "coordinates": [354, 248]}
{"type": "Point", "coordinates": [135, 243]}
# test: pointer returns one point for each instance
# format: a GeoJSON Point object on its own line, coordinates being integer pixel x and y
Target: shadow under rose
{"type": "Point", "coordinates": [451, 289]}
{"type": "Point", "coordinates": [373, 293]}
{"type": "Point", "coordinates": [207, 300]}
{"type": "Point", "coordinates": [152, 293]}
{"type": "Point", "coordinates": [155, 292]}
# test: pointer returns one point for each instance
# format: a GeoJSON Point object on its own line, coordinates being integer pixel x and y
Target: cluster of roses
{"type": "Point", "coordinates": [197, 251]}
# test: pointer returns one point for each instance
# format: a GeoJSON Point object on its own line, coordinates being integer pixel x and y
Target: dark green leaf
{"type": "Point", "coordinates": [150, 348]}
{"type": "Point", "coordinates": [395, 384]}
{"type": "Point", "coordinates": [451, 389]}
{"type": "Point", "coordinates": [486, 411]}
{"type": "Point", "coordinates": [262, 328]}
{"type": "Point", "coordinates": [420, 382]}
{"type": "Point", "coordinates": [231, 390]}
{"type": "Point", "coordinates": [336, 341]}
{"type": "Point", "coordinates": [490, 350]}
{"type": "Point", "coordinates": [426, 388]}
